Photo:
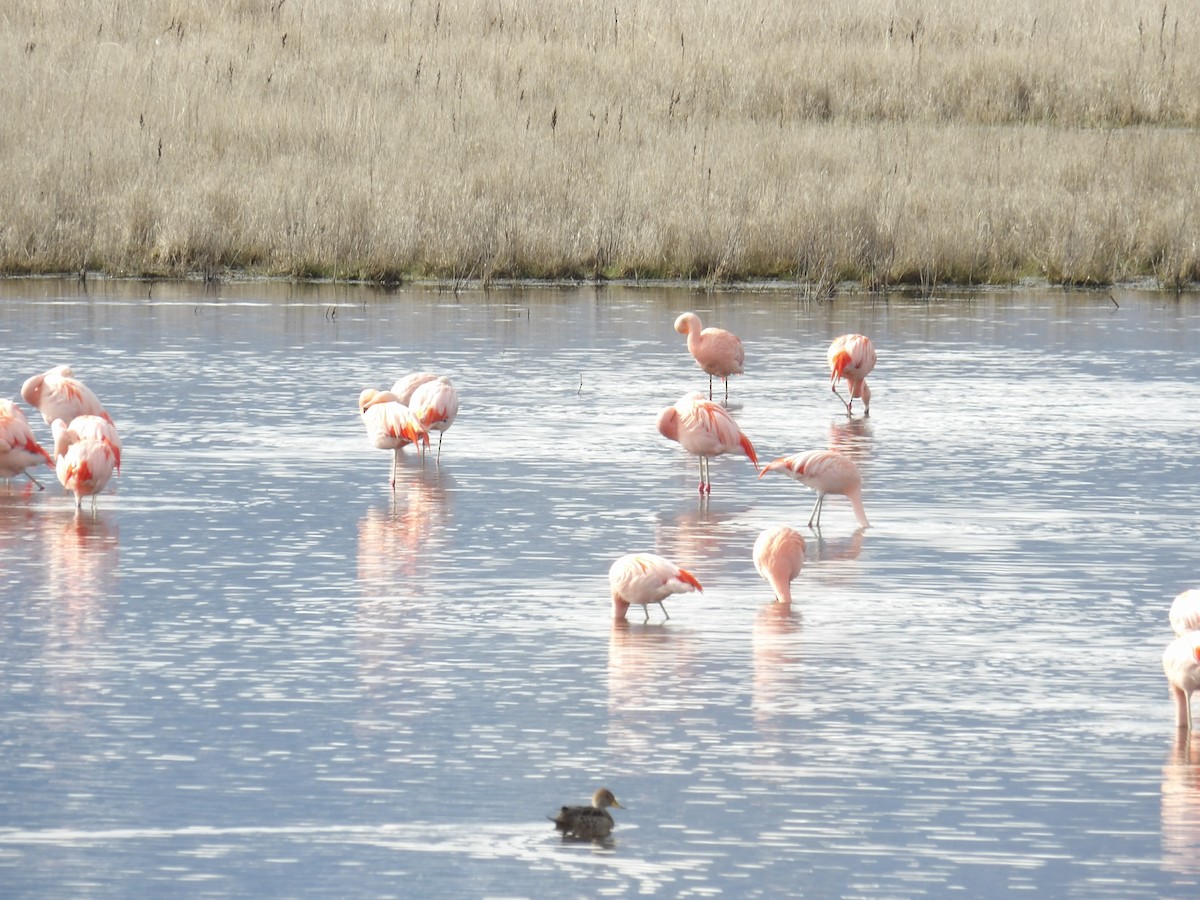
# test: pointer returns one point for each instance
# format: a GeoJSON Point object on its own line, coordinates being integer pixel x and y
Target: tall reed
{"type": "Point", "coordinates": [901, 142]}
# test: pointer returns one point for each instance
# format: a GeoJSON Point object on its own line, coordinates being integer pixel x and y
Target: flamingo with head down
{"type": "Point", "coordinates": [639, 579]}
{"type": "Point", "coordinates": [390, 424]}
{"type": "Point", "coordinates": [852, 357]}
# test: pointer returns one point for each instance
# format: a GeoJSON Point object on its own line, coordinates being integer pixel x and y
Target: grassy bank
{"type": "Point", "coordinates": [882, 143]}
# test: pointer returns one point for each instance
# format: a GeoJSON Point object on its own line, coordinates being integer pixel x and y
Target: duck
{"type": "Point", "coordinates": [588, 822]}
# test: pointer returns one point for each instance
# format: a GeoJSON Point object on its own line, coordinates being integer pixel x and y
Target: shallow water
{"type": "Point", "coordinates": [256, 671]}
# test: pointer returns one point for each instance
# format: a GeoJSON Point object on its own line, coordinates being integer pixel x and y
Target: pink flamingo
{"type": "Point", "coordinates": [826, 472]}
{"type": "Point", "coordinates": [83, 466]}
{"type": "Point", "coordinates": [852, 357]}
{"type": "Point", "coordinates": [1185, 612]}
{"type": "Point", "coordinates": [404, 387]}
{"type": "Point", "coordinates": [390, 424]}
{"type": "Point", "coordinates": [1181, 664]}
{"type": "Point", "coordinates": [704, 429]}
{"type": "Point", "coordinates": [717, 351]}
{"type": "Point", "coordinates": [98, 428]}
{"type": "Point", "coordinates": [18, 449]}
{"type": "Point", "coordinates": [779, 556]}
{"type": "Point", "coordinates": [645, 578]}
{"type": "Point", "coordinates": [58, 394]}
{"type": "Point", "coordinates": [435, 404]}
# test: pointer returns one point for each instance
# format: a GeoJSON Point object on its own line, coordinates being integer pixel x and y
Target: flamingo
{"type": "Point", "coordinates": [852, 357]}
{"type": "Point", "coordinates": [390, 424]}
{"type": "Point", "coordinates": [779, 556]}
{"type": "Point", "coordinates": [1181, 663]}
{"type": "Point", "coordinates": [826, 472]}
{"type": "Point", "coordinates": [83, 465]}
{"type": "Point", "coordinates": [98, 428]}
{"type": "Point", "coordinates": [588, 822]}
{"type": "Point", "coordinates": [435, 404]}
{"type": "Point", "coordinates": [704, 429]}
{"type": "Point", "coordinates": [404, 387]}
{"type": "Point", "coordinates": [645, 578]}
{"type": "Point", "coordinates": [717, 351]}
{"type": "Point", "coordinates": [58, 394]}
{"type": "Point", "coordinates": [18, 449]}
{"type": "Point", "coordinates": [1185, 612]}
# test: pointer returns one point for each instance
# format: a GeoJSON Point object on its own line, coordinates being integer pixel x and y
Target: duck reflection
{"type": "Point", "coordinates": [1181, 805]}
{"type": "Point", "coordinates": [651, 675]}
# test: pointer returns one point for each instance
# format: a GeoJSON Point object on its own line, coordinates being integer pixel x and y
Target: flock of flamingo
{"type": "Point", "coordinates": [704, 428]}
{"type": "Point", "coordinates": [87, 453]}
{"type": "Point", "coordinates": [87, 450]}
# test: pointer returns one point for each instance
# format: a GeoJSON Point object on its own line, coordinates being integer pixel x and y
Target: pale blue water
{"type": "Point", "coordinates": [254, 672]}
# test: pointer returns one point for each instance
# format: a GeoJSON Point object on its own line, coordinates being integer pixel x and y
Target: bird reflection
{"type": "Point", "coordinates": [82, 565]}
{"type": "Point", "coordinates": [695, 536]}
{"type": "Point", "coordinates": [1181, 805]}
{"type": "Point", "coordinates": [852, 438]}
{"type": "Point", "coordinates": [840, 548]}
{"type": "Point", "coordinates": [777, 660]}
{"type": "Point", "coordinates": [396, 541]}
{"type": "Point", "coordinates": [651, 672]}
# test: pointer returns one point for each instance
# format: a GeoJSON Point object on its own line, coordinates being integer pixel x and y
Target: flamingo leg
{"type": "Point", "coordinates": [727, 393]}
{"type": "Point", "coordinates": [663, 607]}
{"type": "Point", "coordinates": [35, 481]}
{"type": "Point", "coordinates": [816, 511]}
{"type": "Point", "coordinates": [833, 387]}
{"type": "Point", "coordinates": [441, 434]}
{"type": "Point", "coordinates": [395, 457]}
{"type": "Point", "coordinates": [709, 387]}
{"type": "Point", "coordinates": [646, 610]}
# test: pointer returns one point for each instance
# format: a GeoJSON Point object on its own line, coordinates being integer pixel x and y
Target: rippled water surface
{"type": "Point", "coordinates": [255, 670]}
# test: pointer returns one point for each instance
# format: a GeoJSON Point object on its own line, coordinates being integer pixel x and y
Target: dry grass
{"type": "Point", "coordinates": [886, 143]}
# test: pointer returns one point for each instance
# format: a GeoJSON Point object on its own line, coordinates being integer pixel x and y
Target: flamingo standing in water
{"type": "Point", "coordinates": [704, 429]}
{"type": "Point", "coordinates": [779, 556]}
{"type": "Point", "coordinates": [404, 387]}
{"type": "Point", "coordinates": [826, 472]}
{"type": "Point", "coordinates": [435, 404]}
{"type": "Point", "coordinates": [717, 351]}
{"type": "Point", "coordinates": [18, 449]}
{"type": "Point", "coordinates": [852, 357]}
{"type": "Point", "coordinates": [644, 578]}
{"type": "Point", "coordinates": [83, 465]}
{"type": "Point", "coordinates": [390, 424]}
{"type": "Point", "coordinates": [1185, 612]}
{"type": "Point", "coordinates": [98, 428]}
{"type": "Point", "coordinates": [58, 394]}
{"type": "Point", "coordinates": [1181, 664]}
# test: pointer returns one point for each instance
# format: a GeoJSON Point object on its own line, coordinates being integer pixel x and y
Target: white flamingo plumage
{"type": "Point", "coordinates": [704, 429]}
{"type": "Point", "coordinates": [390, 424]}
{"type": "Point", "coordinates": [717, 351]}
{"type": "Point", "coordinates": [826, 472]}
{"type": "Point", "coordinates": [852, 357]}
{"type": "Point", "coordinates": [640, 579]}
{"type": "Point", "coordinates": [19, 451]}
{"type": "Point", "coordinates": [779, 556]}
{"type": "Point", "coordinates": [435, 404]}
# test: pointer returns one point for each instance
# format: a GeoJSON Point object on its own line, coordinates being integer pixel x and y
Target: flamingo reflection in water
{"type": "Point", "coordinates": [653, 675]}
{"type": "Point", "coordinates": [1180, 806]}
